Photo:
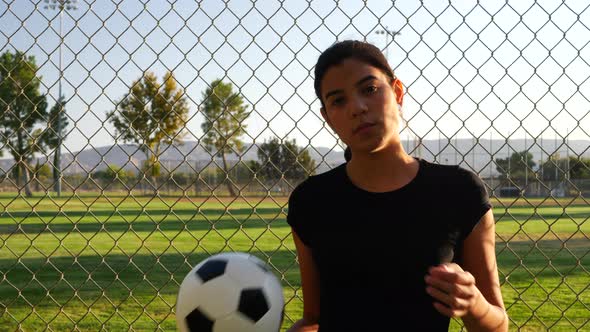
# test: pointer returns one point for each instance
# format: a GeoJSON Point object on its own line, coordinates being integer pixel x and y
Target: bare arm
{"type": "Point", "coordinates": [479, 258]}
{"type": "Point", "coordinates": [472, 291]}
{"type": "Point", "coordinates": [310, 286]}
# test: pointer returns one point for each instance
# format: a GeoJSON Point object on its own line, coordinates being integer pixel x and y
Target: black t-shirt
{"type": "Point", "coordinates": [372, 250]}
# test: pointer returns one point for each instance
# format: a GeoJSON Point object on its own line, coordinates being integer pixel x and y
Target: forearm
{"type": "Point", "coordinates": [486, 317]}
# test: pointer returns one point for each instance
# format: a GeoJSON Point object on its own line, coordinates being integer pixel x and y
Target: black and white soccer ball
{"type": "Point", "coordinates": [230, 292]}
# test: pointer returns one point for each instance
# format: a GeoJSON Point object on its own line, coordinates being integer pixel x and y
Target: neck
{"type": "Point", "coordinates": [381, 171]}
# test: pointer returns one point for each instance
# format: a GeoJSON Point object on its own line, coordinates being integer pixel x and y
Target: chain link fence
{"type": "Point", "coordinates": [111, 194]}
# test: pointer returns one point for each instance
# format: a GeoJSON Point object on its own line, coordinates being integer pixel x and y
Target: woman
{"type": "Point", "coordinates": [386, 241]}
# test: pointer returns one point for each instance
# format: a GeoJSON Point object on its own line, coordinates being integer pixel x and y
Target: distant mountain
{"type": "Point", "coordinates": [182, 156]}
{"type": "Point", "coordinates": [479, 155]}
{"type": "Point", "coordinates": [476, 155]}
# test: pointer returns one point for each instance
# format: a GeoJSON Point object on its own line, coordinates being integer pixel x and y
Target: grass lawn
{"type": "Point", "coordinates": [115, 262]}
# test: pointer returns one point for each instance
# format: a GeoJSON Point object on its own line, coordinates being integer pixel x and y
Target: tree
{"type": "Point", "coordinates": [579, 168]}
{"type": "Point", "coordinates": [278, 159]}
{"type": "Point", "coordinates": [150, 115]}
{"type": "Point", "coordinates": [114, 174]}
{"type": "Point", "coordinates": [225, 114]}
{"type": "Point", "coordinates": [22, 106]}
{"type": "Point", "coordinates": [51, 136]}
{"type": "Point", "coordinates": [517, 166]}
{"type": "Point", "coordinates": [556, 168]}
{"type": "Point", "coordinates": [41, 173]}
{"type": "Point", "coordinates": [269, 163]}
{"type": "Point", "coordinates": [297, 161]}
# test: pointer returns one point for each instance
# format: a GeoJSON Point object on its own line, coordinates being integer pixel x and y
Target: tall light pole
{"type": "Point", "coordinates": [59, 5]}
{"type": "Point", "coordinates": [526, 164]}
{"type": "Point", "coordinates": [387, 33]}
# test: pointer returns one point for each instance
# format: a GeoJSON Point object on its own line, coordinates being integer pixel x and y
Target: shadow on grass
{"type": "Point", "coordinates": [145, 276]}
{"type": "Point", "coordinates": [136, 213]}
{"type": "Point", "coordinates": [549, 216]}
{"type": "Point", "coordinates": [136, 220]}
{"type": "Point", "coordinates": [148, 283]}
{"type": "Point", "coordinates": [532, 261]}
{"type": "Point", "coordinates": [141, 271]}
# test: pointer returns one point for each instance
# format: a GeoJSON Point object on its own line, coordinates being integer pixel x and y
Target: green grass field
{"type": "Point", "coordinates": [115, 262]}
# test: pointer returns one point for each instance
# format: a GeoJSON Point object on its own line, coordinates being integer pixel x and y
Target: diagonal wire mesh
{"type": "Point", "coordinates": [185, 125]}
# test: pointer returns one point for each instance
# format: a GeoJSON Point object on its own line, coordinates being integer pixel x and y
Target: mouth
{"type": "Point", "coordinates": [363, 127]}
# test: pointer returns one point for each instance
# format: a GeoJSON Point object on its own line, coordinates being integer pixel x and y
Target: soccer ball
{"type": "Point", "coordinates": [230, 292]}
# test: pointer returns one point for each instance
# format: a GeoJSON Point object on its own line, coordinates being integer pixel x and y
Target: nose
{"type": "Point", "coordinates": [357, 106]}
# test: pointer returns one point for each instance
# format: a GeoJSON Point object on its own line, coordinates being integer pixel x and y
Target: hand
{"type": "Point", "coordinates": [302, 326]}
{"type": "Point", "coordinates": [454, 289]}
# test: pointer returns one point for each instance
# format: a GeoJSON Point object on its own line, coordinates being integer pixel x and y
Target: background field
{"type": "Point", "coordinates": [117, 100]}
{"type": "Point", "coordinates": [115, 263]}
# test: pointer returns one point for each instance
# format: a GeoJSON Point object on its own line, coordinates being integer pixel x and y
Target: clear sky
{"type": "Point", "coordinates": [493, 69]}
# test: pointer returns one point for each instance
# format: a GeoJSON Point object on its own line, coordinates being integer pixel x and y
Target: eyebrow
{"type": "Point", "coordinates": [360, 82]}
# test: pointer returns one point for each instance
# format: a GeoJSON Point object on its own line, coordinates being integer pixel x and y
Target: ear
{"type": "Point", "coordinates": [398, 89]}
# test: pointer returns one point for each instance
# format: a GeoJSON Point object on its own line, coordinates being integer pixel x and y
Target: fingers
{"type": "Point", "coordinates": [439, 295]}
{"type": "Point", "coordinates": [448, 305]}
{"type": "Point", "coordinates": [452, 287]}
{"type": "Point", "coordinates": [452, 275]}
{"type": "Point", "coordinates": [453, 267]}
{"type": "Point", "coordinates": [447, 311]}
{"type": "Point", "coordinates": [449, 267]}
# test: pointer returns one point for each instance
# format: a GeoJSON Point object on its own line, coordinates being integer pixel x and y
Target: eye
{"type": "Point", "coordinates": [371, 89]}
{"type": "Point", "coordinates": [337, 101]}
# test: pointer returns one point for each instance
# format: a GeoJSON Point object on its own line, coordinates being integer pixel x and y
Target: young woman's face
{"type": "Point", "coordinates": [361, 105]}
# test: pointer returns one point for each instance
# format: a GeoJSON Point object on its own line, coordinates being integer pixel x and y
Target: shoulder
{"type": "Point", "coordinates": [453, 173]}
{"type": "Point", "coordinates": [453, 179]}
{"type": "Point", "coordinates": [443, 174]}
{"type": "Point", "coordinates": [461, 191]}
{"type": "Point", "coordinates": [305, 203]}
{"type": "Point", "coordinates": [316, 185]}
{"type": "Point", "coordinates": [470, 179]}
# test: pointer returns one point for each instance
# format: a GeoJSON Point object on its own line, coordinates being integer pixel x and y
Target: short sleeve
{"type": "Point", "coordinates": [475, 201]}
{"type": "Point", "coordinates": [296, 214]}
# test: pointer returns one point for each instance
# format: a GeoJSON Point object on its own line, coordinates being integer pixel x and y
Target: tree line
{"type": "Point", "coordinates": [152, 114]}
{"type": "Point", "coordinates": [521, 166]}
